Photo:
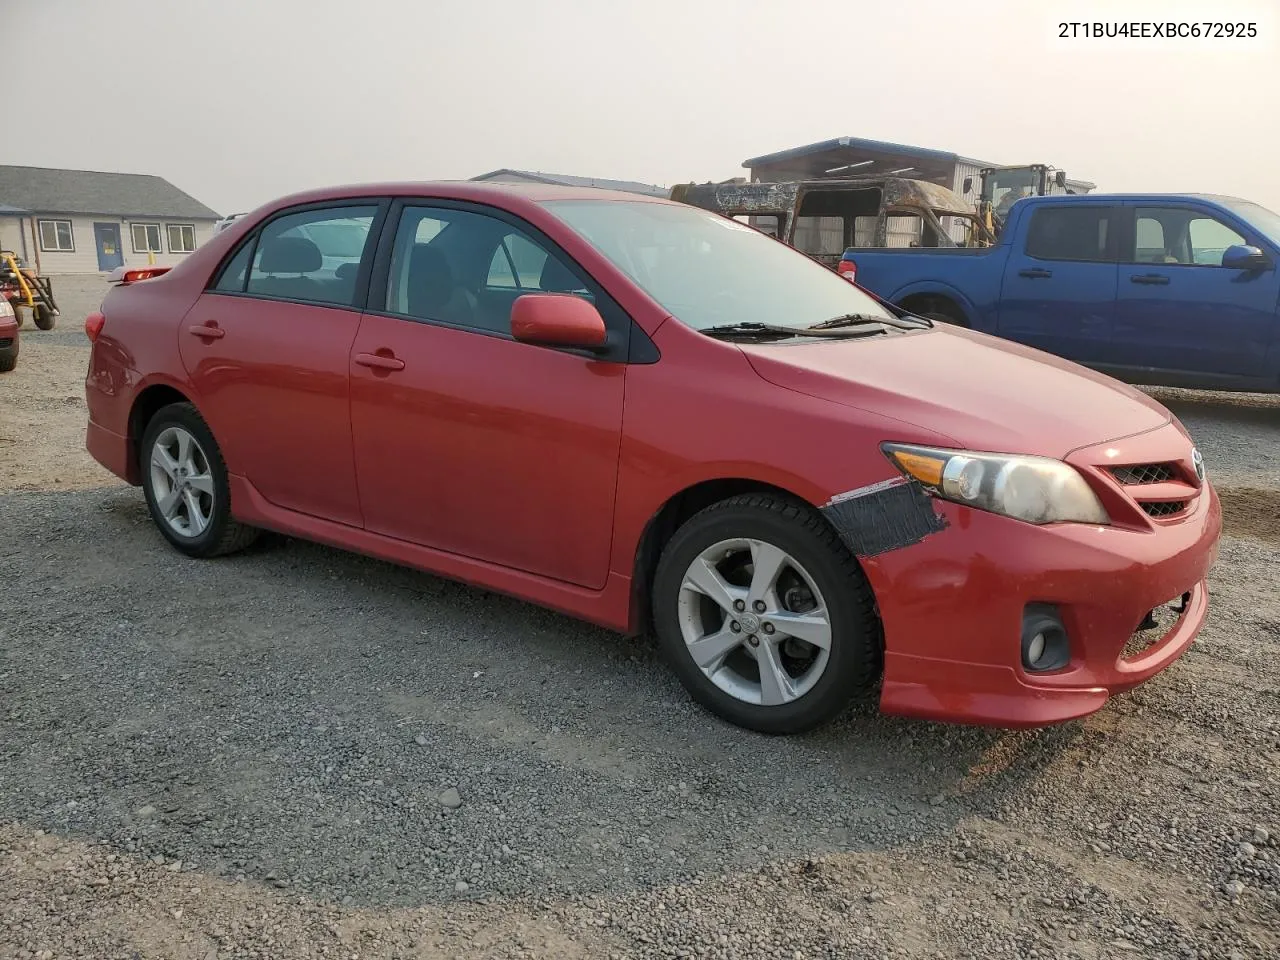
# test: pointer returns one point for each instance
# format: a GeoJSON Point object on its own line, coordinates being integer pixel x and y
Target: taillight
{"type": "Point", "coordinates": [123, 275]}
{"type": "Point", "coordinates": [93, 325]}
{"type": "Point", "coordinates": [848, 269]}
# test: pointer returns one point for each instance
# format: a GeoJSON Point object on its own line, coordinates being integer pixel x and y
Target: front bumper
{"type": "Point", "coordinates": [953, 605]}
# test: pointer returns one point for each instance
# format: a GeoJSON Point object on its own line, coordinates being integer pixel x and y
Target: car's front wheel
{"type": "Point", "coordinates": [765, 615]}
{"type": "Point", "coordinates": [185, 483]}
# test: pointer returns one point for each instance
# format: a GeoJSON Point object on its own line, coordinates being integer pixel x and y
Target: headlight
{"type": "Point", "coordinates": [1034, 489]}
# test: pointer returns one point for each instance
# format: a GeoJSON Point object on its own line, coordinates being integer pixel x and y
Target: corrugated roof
{"type": "Point", "coordinates": [878, 146]}
{"type": "Point", "coordinates": [568, 180]}
{"type": "Point", "coordinates": [51, 190]}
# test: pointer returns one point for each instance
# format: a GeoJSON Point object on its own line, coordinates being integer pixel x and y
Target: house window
{"type": "Point", "coordinates": [146, 237]}
{"type": "Point", "coordinates": [55, 236]}
{"type": "Point", "coordinates": [182, 237]}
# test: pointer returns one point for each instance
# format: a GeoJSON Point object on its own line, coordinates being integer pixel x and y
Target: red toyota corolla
{"type": "Point", "coordinates": [638, 412]}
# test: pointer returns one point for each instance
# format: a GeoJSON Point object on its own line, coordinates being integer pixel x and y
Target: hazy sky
{"type": "Point", "coordinates": [238, 101]}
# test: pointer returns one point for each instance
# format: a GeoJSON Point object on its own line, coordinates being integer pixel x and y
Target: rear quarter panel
{"type": "Point", "coordinates": [138, 345]}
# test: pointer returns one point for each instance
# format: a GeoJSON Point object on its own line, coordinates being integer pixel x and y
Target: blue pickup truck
{"type": "Point", "coordinates": [1173, 290]}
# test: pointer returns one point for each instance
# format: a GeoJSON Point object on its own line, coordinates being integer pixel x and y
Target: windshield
{"type": "Point", "coordinates": [1005, 186]}
{"type": "Point", "coordinates": [1257, 216]}
{"type": "Point", "coordinates": [708, 270]}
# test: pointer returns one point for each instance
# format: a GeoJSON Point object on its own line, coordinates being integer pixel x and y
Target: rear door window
{"type": "Point", "coordinates": [1084, 233]}
{"type": "Point", "coordinates": [313, 256]}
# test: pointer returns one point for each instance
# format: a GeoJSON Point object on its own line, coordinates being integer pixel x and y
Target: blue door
{"type": "Point", "coordinates": [106, 238]}
{"type": "Point", "coordinates": [1059, 288]}
{"type": "Point", "coordinates": [1178, 309]}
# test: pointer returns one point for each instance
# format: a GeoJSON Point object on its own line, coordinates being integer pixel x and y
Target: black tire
{"type": "Point", "coordinates": [44, 317]}
{"type": "Point", "coordinates": [20, 314]}
{"type": "Point", "coordinates": [223, 534]}
{"type": "Point", "coordinates": [9, 357]}
{"type": "Point", "coordinates": [856, 654]}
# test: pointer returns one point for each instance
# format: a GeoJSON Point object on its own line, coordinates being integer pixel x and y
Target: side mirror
{"type": "Point", "coordinates": [1242, 257]}
{"type": "Point", "coordinates": [1060, 178]}
{"type": "Point", "coordinates": [557, 320]}
{"type": "Point", "coordinates": [968, 185]}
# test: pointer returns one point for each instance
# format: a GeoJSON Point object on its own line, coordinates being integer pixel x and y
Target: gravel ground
{"type": "Point", "coordinates": [300, 752]}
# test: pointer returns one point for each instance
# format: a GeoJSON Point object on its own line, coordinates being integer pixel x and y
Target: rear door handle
{"type": "Point", "coordinates": [1152, 278]}
{"type": "Point", "coordinates": [1035, 273]}
{"type": "Point", "coordinates": [206, 331]}
{"type": "Point", "coordinates": [378, 362]}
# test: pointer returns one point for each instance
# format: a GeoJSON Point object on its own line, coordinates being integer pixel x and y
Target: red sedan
{"type": "Point", "coordinates": [644, 414]}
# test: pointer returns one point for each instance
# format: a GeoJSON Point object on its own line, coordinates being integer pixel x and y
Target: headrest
{"type": "Point", "coordinates": [556, 278]}
{"type": "Point", "coordinates": [430, 280]}
{"type": "Point", "coordinates": [290, 255]}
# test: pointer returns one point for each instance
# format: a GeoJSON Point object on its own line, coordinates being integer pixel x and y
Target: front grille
{"type": "Point", "coordinates": [1164, 508]}
{"type": "Point", "coordinates": [6, 342]}
{"type": "Point", "coordinates": [1144, 473]}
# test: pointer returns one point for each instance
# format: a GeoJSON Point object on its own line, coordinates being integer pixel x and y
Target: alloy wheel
{"type": "Point", "coordinates": [182, 482]}
{"type": "Point", "coordinates": [754, 622]}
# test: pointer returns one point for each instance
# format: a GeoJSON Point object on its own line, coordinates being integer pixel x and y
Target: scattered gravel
{"type": "Point", "coordinates": [300, 752]}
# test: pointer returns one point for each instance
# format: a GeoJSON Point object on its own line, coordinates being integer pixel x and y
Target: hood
{"type": "Point", "coordinates": [984, 393]}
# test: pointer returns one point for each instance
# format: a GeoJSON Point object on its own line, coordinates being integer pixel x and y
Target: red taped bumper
{"type": "Point", "coordinates": [953, 606]}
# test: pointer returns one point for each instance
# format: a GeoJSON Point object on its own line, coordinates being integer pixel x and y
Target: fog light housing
{"type": "Point", "coordinates": [1045, 645]}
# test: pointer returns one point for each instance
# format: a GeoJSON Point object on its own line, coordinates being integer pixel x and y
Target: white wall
{"type": "Point", "coordinates": [11, 235]}
{"type": "Point", "coordinates": [84, 259]}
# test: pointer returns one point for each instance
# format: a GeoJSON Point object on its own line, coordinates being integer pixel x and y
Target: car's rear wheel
{"type": "Point", "coordinates": [185, 483]}
{"type": "Point", "coordinates": [765, 615]}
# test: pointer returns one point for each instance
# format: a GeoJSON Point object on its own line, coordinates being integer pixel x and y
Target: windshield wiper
{"type": "Point", "coordinates": [754, 329]}
{"type": "Point", "coordinates": [859, 319]}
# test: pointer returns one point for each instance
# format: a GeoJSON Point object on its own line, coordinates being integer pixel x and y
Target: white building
{"type": "Point", "coordinates": [83, 221]}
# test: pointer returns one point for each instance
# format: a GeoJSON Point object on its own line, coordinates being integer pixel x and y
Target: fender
{"type": "Point", "coordinates": [634, 515]}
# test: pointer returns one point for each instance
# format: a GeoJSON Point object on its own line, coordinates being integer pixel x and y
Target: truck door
{"type": "Point", "coordinates": [1059, 289]}
{"type": "Point", "coordinates": [1178, 309]}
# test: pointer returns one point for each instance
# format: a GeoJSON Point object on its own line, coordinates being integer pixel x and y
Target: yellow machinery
{"type": "Point", "coordinates": [27, 291]}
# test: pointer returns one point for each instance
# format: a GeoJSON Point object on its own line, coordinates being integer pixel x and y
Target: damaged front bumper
{"type": "Point", "coordinates": [953, 604]}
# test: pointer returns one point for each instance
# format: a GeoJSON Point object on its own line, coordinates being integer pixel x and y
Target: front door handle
{"type": "Point", "coordinates": [1154, 279]}
{"type": "Point", "coordinates": [1035, 273]}
{"type": "Point", "coordinates": [206, 331]}
{"type": "Point", "coordinates": [377, 361]}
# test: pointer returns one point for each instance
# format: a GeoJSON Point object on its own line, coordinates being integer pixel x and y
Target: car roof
{"type": "Point", "coordinates": [489, 191]}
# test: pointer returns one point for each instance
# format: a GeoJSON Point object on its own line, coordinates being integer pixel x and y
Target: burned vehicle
{"type": "Point", "coordinates": [823, 218]}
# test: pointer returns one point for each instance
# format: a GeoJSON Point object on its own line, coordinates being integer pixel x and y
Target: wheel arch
{"type": "Point", "coordinates": [936, 298]}
{"type": "Point", "coordinates": [149, 401]}
{"type": "Point", "coordinates": [678, 508]}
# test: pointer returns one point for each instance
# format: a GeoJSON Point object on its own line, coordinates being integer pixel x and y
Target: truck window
{"type": "Point", "coordinates": [820, 235]}
{"type": "Point", "coordinates": [1071, 233]}
{"type": "Point", "coordinates": [1210, 239]}
{"type": "Point", "coordinates": [1181, 235]}
{"type": "Point", "coordinates": [766, 224]}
